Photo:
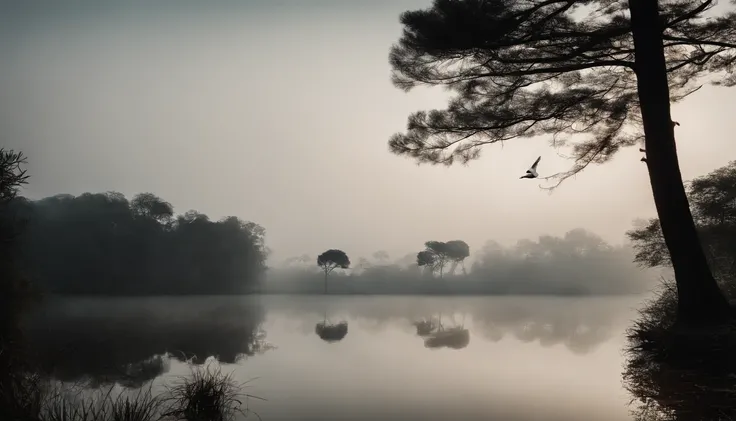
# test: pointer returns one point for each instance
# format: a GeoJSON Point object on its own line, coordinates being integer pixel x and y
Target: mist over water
{"type": "Point", "coordinates": [524, 358]}
{"type": "Point", "coordinates": [182, 148]}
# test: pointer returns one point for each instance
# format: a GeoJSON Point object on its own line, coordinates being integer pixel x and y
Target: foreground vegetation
{"type": "Point", "coordinates": [711, 198]}
{"type": "Point", "coordinates": [207, 394]}
{"type": "Point", "coordinates": [27, 391]}
{"type": "Point", "coordinates": [674, 371]}
{"type": "Point", "coordinates": [677, 372]}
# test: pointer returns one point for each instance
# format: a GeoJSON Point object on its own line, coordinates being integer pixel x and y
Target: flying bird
{"type": "Point", "coordinates": [532, 172]}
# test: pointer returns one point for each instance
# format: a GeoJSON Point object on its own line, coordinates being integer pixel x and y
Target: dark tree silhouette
{"type": "Point", "coordinates": [331, 332]}
{"type": "Point", "coordinates": [436, 255]}
{"type": "Point", "coordinates": [12, 174]}
{"type": "Point", "coordinates": [712, 199]}
{"type": "Point", "coordinates": [427, 259]}
{"type": "Point", "coordinates": [332, 259]}
{"type": "Point", "coordinates": [16, 291]}
{"type": "Point", "coordinates": [457, 252]}
{"type": "Point", "coordinates": [103, 244]}
{"type": "Point", "coordinates": [14, 288]}
{"type": "Point", "coordinates": [148, 205]}
{"type": "Point", "coordinates": [524, 69]}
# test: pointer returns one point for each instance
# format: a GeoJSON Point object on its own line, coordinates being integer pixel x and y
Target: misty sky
{"type": "Point", "coordinates": [279, 112]}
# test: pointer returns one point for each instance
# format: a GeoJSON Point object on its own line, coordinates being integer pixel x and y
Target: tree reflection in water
{"type": "Point", "coordinates": [425, 327]}
{"type": "Point", "coordinates": [331, 332]}
{"type": "Point", "coordinates": [127, 340]}
{"type": "Point", "coordinates": [131, 341]}
{"type": "Point", "coordinates": [437, 336]}
{"type": "Point", "coordinates": [679, 373]}
{"type": "Point", "coordinates": [579, 324]}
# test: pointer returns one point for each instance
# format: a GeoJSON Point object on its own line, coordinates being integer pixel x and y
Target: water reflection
{"type": "Point", "coordinates": [130, 341]}
{"type": "Point", "coordinates": [676, 373]}
{"type": "Point", "coordinates": [331, 332]}
{"type": "Point", "coordinates": [577, 324]}
{"type": "Point", "coordinates": [438, 335]}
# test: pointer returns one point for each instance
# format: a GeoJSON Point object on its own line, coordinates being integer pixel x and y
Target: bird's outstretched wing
{"type": "Point", "coordinates": [534, 165]}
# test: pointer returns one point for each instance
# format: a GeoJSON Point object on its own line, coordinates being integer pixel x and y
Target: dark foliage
{"type": "Point", "coordinates": [713, 202]}
{"type": "Point", "coordinates": [604, 70]}
{"type": "Point", "coordinates": [426, 258]}
{"type": "Point", "coordinates": [456, 338]}
{"type": "Point", "coordinates": [438, 253]}
{"type": "Point", "coordinates": [331, 332]}
{"type": "Point", "coordinates": [208, 394]}
{"type": "Point", "coordinates": [15, 290]}
{"type": "Point", "coordinates": [530, 68]}
{"type": "Point", "coordinates": [16, 294]}
{"type": "Point", "coordinates": [331, 260]}
{"type": "Point", "coordinates": [676, 373]}
{"type": "Point", "coordinates": [103, 244]}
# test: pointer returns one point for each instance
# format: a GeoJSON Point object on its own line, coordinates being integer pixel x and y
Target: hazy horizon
{"type": "Point", "coordinates": [279, 112]}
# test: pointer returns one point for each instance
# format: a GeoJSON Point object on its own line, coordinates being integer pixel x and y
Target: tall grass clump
{"type": "Point", "coordinates": [65, 405]}
{"type": "Point", "coordinates": [208, 394]}
{"type": "Point", "coordinates": [143, 406]}
{"type": "Point", "coordinates": [21, 397]}
{"type": "Point", "coordinates": [74, 403]}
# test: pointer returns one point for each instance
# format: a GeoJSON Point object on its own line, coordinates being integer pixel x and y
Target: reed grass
{"type": "Point", "coordinates": [207, 394]}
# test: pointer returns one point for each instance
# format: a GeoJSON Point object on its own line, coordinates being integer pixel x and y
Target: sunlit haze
{"type": "Point", "coordinates": [279, 112]}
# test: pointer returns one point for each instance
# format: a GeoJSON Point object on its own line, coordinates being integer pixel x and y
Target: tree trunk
{"type": "Point", "coordinates": [325, 282]}
{"type": "Point", "coordinates": [453, 267]}
{"type": "Point", "coordinates": [700, 300]}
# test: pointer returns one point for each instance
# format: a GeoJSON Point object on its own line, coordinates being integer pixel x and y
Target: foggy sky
{"type": "Point", "coordinates": [279, 112]}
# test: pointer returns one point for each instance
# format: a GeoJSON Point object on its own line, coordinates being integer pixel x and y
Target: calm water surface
{"type": "Point", "coordinates": [509, 358]}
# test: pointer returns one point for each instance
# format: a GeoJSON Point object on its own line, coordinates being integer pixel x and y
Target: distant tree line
{"type": "Point", "coordinates": [579, 263]}
{"type": "Point", "coordinates": [103, 243]}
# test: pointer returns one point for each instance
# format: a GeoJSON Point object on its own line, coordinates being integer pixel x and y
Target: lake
{"type": "Point", "coordinates": [495, 358]}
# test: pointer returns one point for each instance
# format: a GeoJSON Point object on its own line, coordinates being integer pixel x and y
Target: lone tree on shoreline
{"type": "Point", "coordinates": [332, 259]}
{"type": "Point", "coordinates": [529, 68]}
